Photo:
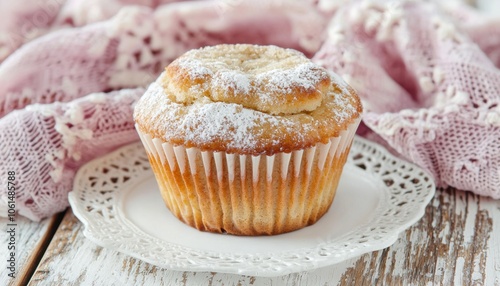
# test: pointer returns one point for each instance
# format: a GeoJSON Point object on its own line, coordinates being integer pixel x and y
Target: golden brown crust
{"type": "Point", "coordinates": [246, 102]}
{"type": "Point", "coordinates": [264, 78]}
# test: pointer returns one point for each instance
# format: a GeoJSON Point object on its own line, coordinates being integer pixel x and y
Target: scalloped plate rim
{"type": "Point", "coordinates": [383, 243]}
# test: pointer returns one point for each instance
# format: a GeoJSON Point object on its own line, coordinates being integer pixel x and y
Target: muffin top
{"type": "Point", "coordinates": [246, 99]}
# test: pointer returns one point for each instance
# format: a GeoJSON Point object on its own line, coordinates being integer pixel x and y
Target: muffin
{"type": "Point", "coordinates": [247, 139]}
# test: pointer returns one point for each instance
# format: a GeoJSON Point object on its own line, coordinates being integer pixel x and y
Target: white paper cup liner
{"type": "Point", "coordinates": [248, 195]}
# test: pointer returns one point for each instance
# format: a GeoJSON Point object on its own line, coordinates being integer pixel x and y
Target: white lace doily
{"type": "Point", "coordinates": [379, 196]}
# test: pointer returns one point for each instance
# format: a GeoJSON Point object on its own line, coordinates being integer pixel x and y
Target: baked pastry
{"type": "Point", "coordinates": [247, 139]}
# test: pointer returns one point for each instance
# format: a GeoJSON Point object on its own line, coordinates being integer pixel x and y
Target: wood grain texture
{"type": "Point", "coordinates": [31, 241]}
{"type": "Point", "coordinates": [456, 242]}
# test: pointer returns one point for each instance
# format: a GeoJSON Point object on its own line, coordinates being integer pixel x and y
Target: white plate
{"type": "Point", "coordinates": [117, 199]}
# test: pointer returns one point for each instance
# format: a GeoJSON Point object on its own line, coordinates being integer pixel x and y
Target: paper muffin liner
{"type": "Point", "coordinates": [245, 194]}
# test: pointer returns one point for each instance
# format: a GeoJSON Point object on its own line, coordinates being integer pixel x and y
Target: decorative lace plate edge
{"type": "Point", "coordinates": [96, 203]}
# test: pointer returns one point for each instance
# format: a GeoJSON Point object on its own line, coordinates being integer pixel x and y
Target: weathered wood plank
{"type": "Point", "coordinates": [457, 242]}
{"type": "Point", "coordinates": [73, 260]}
{"type": "Point", "coordinates": [31, 240]}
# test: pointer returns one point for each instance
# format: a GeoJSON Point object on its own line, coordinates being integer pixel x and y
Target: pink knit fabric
{"type": "Point", "coordinates": [24, 20]}
{"type": "Point", "coordinates": [46, 143]}
{"type": "Point", "coordinates": [426, 75]}
{"type": "Point", "coordinates": [428, 90]}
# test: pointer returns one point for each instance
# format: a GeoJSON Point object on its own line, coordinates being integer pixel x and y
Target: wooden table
{"type": "Point", "coordinates": [456, 242]}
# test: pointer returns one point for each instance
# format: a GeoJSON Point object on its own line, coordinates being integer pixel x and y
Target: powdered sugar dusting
{"type": "Point", "coordinates": [304, 76]}
{"type": "Point", "coordinates": [231, 125]}
{"type": "Point", "coordinates": [195, 68]}
{"type": "Point", "coordinates": [234, 80]}
{"type": "Point", "coordinates": [223, 118]}
{"type": "Point", "coordinates": [264, 78]}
